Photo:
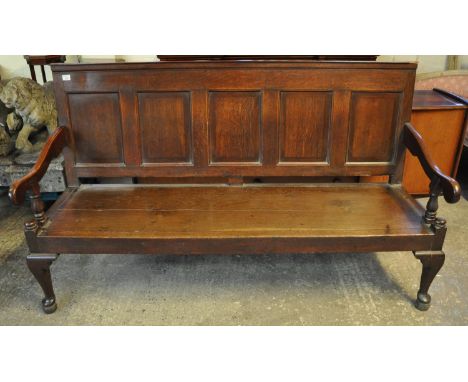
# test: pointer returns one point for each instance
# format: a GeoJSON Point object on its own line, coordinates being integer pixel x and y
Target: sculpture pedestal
{"type": "Point", "coordinates": [13, 167]}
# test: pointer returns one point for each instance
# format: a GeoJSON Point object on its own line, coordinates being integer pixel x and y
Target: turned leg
{"type": "Point", "coordinates": [432, 262]}
{"type": "Point", "coordinates": [39, 265]}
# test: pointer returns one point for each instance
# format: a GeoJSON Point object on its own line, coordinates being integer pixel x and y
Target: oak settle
{"type": "Point", "coordinates": [236, 130]}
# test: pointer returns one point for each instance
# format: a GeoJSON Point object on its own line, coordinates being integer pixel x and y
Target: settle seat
{"type": "Point", "coordinates": [254, 217]}
{"type": "Point", "coordinates": [222, 155]}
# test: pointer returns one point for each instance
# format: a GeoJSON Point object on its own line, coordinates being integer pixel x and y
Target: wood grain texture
{"type": "Point", "coordinates": [229, 212]}
{"type": "Point", "coordinates": [96, 126]}
{"type": "Point", "coordinates": [228, 220]}
{"type": "Point", "coordinates": [235, 127]}
{"type": "Point", "coordinates": [166, 128]}
{"type": "Point", "coordinates": [442, 131]}
{"type": "Point", "coordinates": [441, 119]}
{"type": "Point", "coordinates": [417, 147]}
{"type": "Point", "coordinates": [305, 126]}
{"type": "Point", "coordinates": [52, 149]}
{"type": "Point", "coordinates": [130, 127]}
{"type": "Point", "coordinates": [247, 119]}
{"type": "Point", "coordinates": [237, 122]}
{"type": "Point", "coordinates": [373, 124]}
{"type": "Point", "coordinates": [270, 64]}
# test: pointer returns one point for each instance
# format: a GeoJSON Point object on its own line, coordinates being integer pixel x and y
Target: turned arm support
{"type": "Point", "coordinates": [53, 147]}
{"type": "Point", "coordinates": [439, 181]}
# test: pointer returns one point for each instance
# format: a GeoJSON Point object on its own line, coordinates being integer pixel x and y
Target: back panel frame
{"type": "Point", "coordinates": [234, 119]}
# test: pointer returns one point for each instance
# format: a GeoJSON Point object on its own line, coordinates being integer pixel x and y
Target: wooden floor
{"type": "Point", "coordinates": [141, 211]}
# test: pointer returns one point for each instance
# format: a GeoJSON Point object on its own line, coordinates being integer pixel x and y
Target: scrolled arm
{"type": "Point", "coordinates": [52, 149]}
{"type": "Point", "coordinates": [439, 181]}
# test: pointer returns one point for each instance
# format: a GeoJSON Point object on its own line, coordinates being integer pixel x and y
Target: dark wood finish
{"type": "Point", "coordinates": [265, 57]}
{"type": "Point", "coordinates": [53, 147]}
{"type": "Point", "coordinates": [235, 127]}
{"type": "Point", "coordinates": [32, 71]}
{"type": "Point", "coordinates": [264, 218]}
{"type": "Point", "coordinates": [373, 122]}
{"type": "Point", "coordinates": [443, 133]}
{"type": "Point", "coordinates": [437, 99]}
{"type": "Point", "coordinates": [441, 119]}
{"type": "Point", "coordinates": [191, 212]}
{"type": "Point", "coordinates": [252, 126]}
{"type": "Point", "coordinates": [166, 129]}
{"type": "Point", "coordinates": [454, 97]}
{"type": "Point", "coordinates": [237, 114]}
{"type": "Point", "coordinates": [41, 61]}
{"type": "Point", "coordinates": [305, 125]}
{"type": "Point", "coordinates": [39, 265]}
{"type": "Point", "coordinates": [250, 179]}
{"type": "Point", "coordinates": [432, 262]}
{"type": "Point", "coordinates": [43, 73]}
{"type": "Point", "coordinates": [415, 144]}
{"type": "Point", "coordinates": [97, 129]}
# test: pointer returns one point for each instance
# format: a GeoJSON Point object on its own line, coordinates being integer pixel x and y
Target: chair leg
{"type": "Point", "coordinates": [432, 262]}
{"type": "Point", "coordinates": [39, 265]}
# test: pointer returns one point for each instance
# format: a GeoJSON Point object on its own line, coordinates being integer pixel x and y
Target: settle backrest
{"type": "Point", "coordinates": [234, 119]}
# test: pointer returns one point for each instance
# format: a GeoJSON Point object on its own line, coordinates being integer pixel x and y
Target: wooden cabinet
{"type": "Point", "coordinates": [441, 119]}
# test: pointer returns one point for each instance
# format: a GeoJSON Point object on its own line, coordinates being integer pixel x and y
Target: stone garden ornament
{"type": "Point", "coordinates": [35, 104]}
{"type": "Point", "coordinates": [7, 142]}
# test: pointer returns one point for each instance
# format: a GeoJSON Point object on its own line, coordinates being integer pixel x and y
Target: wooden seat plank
{"type": "Point", "coordinates": [230, 212]}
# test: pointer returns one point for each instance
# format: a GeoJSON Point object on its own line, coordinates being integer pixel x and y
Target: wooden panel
{"type": "Point", "coordinates": [239, 76]}
{"type": "Point", "coordinates": [373, 122]}
{"type": "Point", "coordinates": [235, 127]}
{"type": "Point", "coordinates": [305, 126]}
{"type": "Point", "coordinates": [237, 122]}
{"type": "Point", "coordinates": [96, 126]}
{"type": "Point", "coordinates": [165, 123]}
{"type": "Point", "coordinates": [238, 170]}
{"type": "Point", "coordinates": [442, 132]}
{"type": "Point", "coordinates": [237, 212]}
{"type": "Point", "coordinates": [248, 180]}
{"type": "Point", "coordinates": [235, 220]}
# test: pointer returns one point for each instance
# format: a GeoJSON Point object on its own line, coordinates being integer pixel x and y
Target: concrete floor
{"type": "Point", "coordinates": [320, 289]}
